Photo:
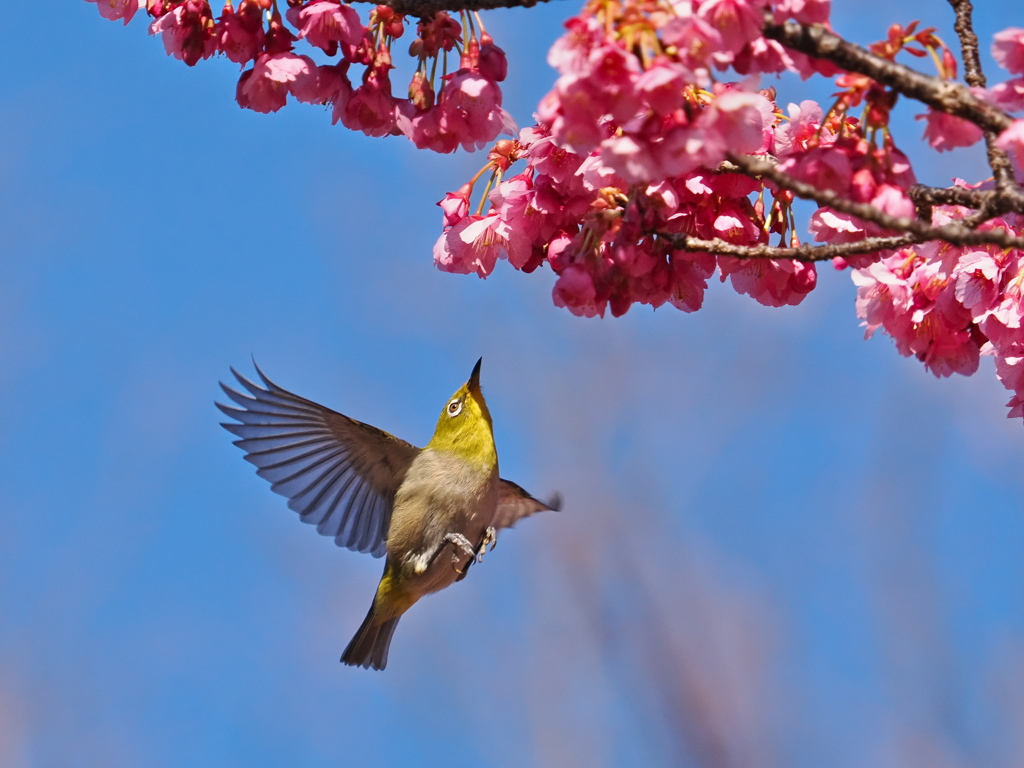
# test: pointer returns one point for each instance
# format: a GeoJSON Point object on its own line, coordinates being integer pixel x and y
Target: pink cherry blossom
{"type": "Point", "coordinates": [239, 34]}
{"type": "Point", "coordinates": [805, 11]}
{"type": "Point", "coordinates": [977, 276]}
{"type": "Point", "coordinates": [945, 132]}
{"type": "Point", "coordinates": [492, 61]}
{"type": "Point", "coordinates": [456, 205]}
{"type": "Point", "coordinates": [739, 122]}
{"type": "Point", "coordinates": [1008, 95]}
{"type": "Point", "coordinates": [187, 32]}
{"type": "Point", "coordinates": [1008, 49]}
{"type": "Point", "coordinates": [328, 23]}
{"type": "Point", "coordinates": [266, 86]}
{"type": "Point", "coordinates": [570, 54]}
{"type": "Point", "coordinates": [737, 21]}
{"type": "Point", "coordinates": [324, 84]}
{"type": "Point", "coordinates": [802, 131]}
{"type": "Point", "coordinates": [770, 282]}
{"type": "Point", "coordinates": [469, 246]}
{"type": "Point", "coordinates": [893, 201]}
{"type": "Point", "coordinates": [575, 291]}
{"type": "Point", "coordinates": [118, 9]}
{"type": "Point", "coordinates": [1012, 142]}
{"type": "Point", "coordinates": [470, 107]}
{"type": "Point", "coordinates": [698, 43]}
{"type": "Point", "coordinates": [371, 107]}
{"type": "Point", "coordinates": [690, 273]}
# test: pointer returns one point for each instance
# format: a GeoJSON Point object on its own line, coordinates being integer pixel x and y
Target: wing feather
{"type": "Point", "coordinates": [514, 504]}
{"type": "Point", "coordinates": [339, 474]}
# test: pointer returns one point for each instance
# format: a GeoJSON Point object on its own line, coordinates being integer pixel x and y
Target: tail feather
{"type": "Point", "coordinates": [369, 647]}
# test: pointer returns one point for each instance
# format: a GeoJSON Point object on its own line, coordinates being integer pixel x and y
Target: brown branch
{"type": "Point", "coordinates": [955, 98]}
{"type": "Point", "coordinates": [426, 8]}
{"type": "Point", "coordinates": [1002, 171]}
{"type": "Point", "coordinates": [954, 232]}
{"type": "Point", "coordinates": [922, 194]}
{"type": "Point", "coordinates": [808, 253]}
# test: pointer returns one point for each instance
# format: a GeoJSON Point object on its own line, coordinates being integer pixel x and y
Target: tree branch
{"type": "Point", "coordinates": [808, 253]}
{"type": "Point", "coordinates": [955, 98]}
{"type": "Point", "coordinates": [426, 8]}
{"type": "Point", "coordinates": [954, 232]}
{"type": "Point", "coordinates": [1002, 171]}
{"type": "Point", "coordinates": [969, 198]}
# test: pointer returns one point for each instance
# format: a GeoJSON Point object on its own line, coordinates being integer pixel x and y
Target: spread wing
{"type": "Point", "coordinates": [337, 473]}
{"type": "Point", "coordinates": [514, 504]}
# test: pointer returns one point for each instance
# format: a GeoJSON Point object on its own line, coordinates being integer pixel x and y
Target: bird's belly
{"type": "Point", "coordinates": [423, 517]}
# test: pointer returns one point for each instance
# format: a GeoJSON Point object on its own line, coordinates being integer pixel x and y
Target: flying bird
{"type": "Point", "coordinates": [431, 511]}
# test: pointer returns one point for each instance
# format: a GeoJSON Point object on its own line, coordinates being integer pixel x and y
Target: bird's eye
{"type": "Point", "coordinates": [454, 407]}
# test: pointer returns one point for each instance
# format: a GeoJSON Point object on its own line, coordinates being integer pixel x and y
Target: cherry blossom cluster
{"type": "Point", "coordinates": [1008, 51]}
{"type": "Point", "coordinates": [613, 243]}
{"type": "Point", "coordinates": [630, 159]}
{"type": "Point", "coordinates": [444, 110]}
{"type": "Point", "coordinates": [658, 160]}
{"type": "Point", "coordinates": [947, 304]}
{"type": "Point", "coordinates": [626, 160]}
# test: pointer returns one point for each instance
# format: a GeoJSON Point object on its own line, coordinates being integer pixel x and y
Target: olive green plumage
{"type": "Point", "coordinates": [432, 511]}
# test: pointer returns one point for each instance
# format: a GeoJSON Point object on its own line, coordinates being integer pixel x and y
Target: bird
{"type": "Point", "coordinates": [431, 512]}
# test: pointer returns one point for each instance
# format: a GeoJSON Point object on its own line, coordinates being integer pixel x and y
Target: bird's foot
{"type": "Point", "coordinates": [462, 547]}
{"type": "Point", "coordinates": [489, 541]}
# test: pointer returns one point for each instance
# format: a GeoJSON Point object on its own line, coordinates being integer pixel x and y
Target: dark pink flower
{"type": "Point", "coordinates": [456, 205]}
{"type": "Point", "coordinates": [1008, 49]}
{"type": "Point", "coordinates": [470, 109]}
{"type": "Point", "coordinates": [1011, 141]}
{"type": "Point", "coordinates": [571, 52]}
{"type": "Point", "coordinates": [696, 41]}
{"type": "Point", "coordinates": [521, 222]}
{"type": "Point", "coordinates": [690, 273]}
{"type": "Point", "coordinates": [266, 86]}
{"type": "Point", "coordinates": [118, 9]}
{"type": "Point", "coordinates": [945, 131]}
{"type": "Point", "coordinates": [371, 107]}
{"type": "Point", "coordinates": [802, 131]}
{"type": "Point", "coordinates": [469, 246]}
{"type": "Point", "coordinates": [893, 201]}
{"type": "Point", "coordinates": [492, 61]}
{"type": "Point", "coordinates": [661, 86]}
{"type": "Point", "coordinates": [977, 276]}
{"type": "Point", "coordinates": [575, 290]}
{"type": "Point", "coordinates": [737, 21]}
{"type": "Point", "coordinates": [769, 282]}
{"type": "Point", "coordinates": [187, 32]}
{"type": "Point", "coordinates": [239, 34]}
{"type": "Point", "coordinates": [739, 122]}
{"type": "Point", "coordinates": [1008, 95]}
{"type": "Point", "coordinates": [328, 23]}
{"type": "Point", "coordinates": [804, 11]}
{"type": "Point", "coordinates": [323, 84]}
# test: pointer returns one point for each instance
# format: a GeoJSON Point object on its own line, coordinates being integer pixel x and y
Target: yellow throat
{"type": "Point", "coordinates": [464, 426]}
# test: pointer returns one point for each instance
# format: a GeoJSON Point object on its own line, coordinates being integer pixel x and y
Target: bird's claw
{"type": "Point", "coordinates": [462, 547]}
{"type": "Point", "coordinates": [489, 541]}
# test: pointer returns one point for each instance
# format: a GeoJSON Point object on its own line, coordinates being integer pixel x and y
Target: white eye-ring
{"type": "Point", "coordinates": [455, 407]}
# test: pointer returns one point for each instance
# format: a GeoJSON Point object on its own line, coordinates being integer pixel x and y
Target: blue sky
{"type": "Point", "coordinates": [781, 544]}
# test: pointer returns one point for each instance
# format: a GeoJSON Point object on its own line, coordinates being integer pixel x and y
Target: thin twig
{"type": "Point", "coordinates": [1002, 171]}
{"type": "Point", "coordinates": [807, 253]}
{"type": "Point", "coordinates": [954, 232]}
{"type": "Point", "coordinates": [955, 98]}
{"type": "Point", "coordinates": [426, 8]}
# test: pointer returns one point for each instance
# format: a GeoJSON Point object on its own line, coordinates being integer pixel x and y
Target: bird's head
{"type": "Point", "coordinates": [464, 427]}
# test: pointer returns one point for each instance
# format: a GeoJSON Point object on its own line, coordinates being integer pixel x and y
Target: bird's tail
{"type": "Point", "coordinates": [369, 647]}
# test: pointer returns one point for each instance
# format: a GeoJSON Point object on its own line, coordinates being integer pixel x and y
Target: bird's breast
{"type": "Point", "coordinates": [440, 494]}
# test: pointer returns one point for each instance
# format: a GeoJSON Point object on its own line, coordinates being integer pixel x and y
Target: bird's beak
{"type": "Point", "coordinates": [474, 377]}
